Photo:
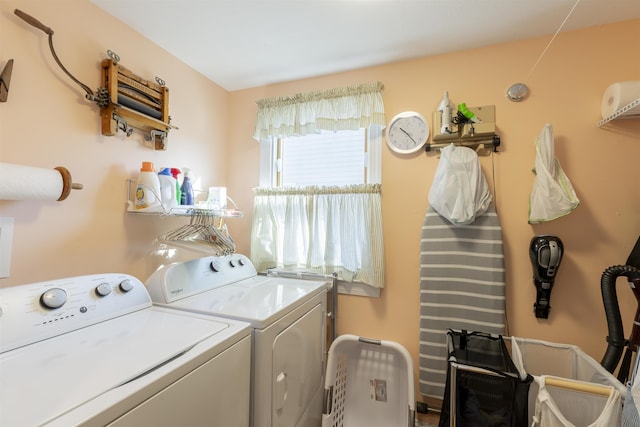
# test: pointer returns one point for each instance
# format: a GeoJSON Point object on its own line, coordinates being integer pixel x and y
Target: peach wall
{"type": "Point", "coordinates": [47, 123]}
{"type": "Point", "coordinates": [566, 89]}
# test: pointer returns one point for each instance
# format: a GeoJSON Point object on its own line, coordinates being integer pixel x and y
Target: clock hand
{"type": "Point", "coordinates": [410, 137]}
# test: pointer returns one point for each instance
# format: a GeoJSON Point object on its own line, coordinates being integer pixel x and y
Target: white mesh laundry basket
{"type": "Point", "coordinates": [368, 383]}
{"type": "Point", "coordinates": [581, 392]}
{"type": "Point", "coordinates": [565, 403]}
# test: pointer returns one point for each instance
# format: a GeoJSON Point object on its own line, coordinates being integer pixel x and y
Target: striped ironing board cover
{"type": "Point", "coordinates": [461, 287]}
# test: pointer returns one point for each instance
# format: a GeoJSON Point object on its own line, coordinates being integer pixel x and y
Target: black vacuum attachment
{"type": "Point", "coordinates": [616, 341]}
{"type": "Point", "coordinates": [545, 252]}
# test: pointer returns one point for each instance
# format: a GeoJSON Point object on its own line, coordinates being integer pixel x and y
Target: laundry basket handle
{"type": "Point", "coordinates": [369, 341]}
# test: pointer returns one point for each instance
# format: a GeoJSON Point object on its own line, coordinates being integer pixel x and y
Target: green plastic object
{"type": "Point", "coordinates": [468, 114]}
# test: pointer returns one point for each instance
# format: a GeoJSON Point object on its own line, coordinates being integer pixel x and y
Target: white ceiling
{"type": "Point", "coordinates": [240, 44]}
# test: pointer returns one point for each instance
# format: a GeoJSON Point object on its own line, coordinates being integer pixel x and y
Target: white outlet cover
{"type": "Point", "coordinates": [6, 239]}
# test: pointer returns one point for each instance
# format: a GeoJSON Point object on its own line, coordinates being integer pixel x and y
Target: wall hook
{"type": "Point", "coordinates": [122, 125]}
{"type": "Point", "coordinates": [5, 79]}
{"type": "Point", "coordinates": [158, 138]}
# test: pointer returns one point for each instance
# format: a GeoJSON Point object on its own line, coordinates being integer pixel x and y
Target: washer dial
{"type": "Point", "coordinates": [103, 289]}
{"type": "Point", "coordinates": [126, 285]}
{"type": "Point", "coordinates": [53, 298]}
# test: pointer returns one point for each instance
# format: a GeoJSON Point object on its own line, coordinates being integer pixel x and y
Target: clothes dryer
{"type": "Point", "coordinates": [93, 350]}
{"type": "Point", "coordinates": [288, 324]}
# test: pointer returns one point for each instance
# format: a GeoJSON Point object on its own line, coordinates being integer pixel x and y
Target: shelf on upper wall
{"type": "Point", "coordinates": [182, 210]}
{"type": "Point", "coordinates": [629, 111]}
{"type": "Point", "coordinates": [189, 210]}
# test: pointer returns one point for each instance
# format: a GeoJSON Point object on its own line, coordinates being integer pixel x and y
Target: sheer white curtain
{"type": "Point", "coordinates": [322, 229]}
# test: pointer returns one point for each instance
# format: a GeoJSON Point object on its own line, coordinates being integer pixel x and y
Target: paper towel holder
{"type": "Point", "coordinates": [67, 184]}
{"type": "Point", "coordinates": [19, 182]}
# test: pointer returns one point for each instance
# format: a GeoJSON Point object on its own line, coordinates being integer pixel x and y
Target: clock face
{"type": "Point", "coordinates": [407, 132]}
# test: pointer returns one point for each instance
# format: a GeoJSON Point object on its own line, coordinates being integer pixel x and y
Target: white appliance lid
{"type": "Point", "coordinates": [259, 300]}
{"type": "Point", "coordinates": [41, 381]}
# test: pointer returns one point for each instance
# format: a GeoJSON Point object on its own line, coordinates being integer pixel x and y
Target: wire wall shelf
{"type": "Point", "coordinates": [629, 111]}
{"type": "Point", "coordinates": [183, 210]}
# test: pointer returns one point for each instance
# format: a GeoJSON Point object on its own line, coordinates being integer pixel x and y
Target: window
{"type": "Point", "coordinates": [348, 157]}
{"type": "Point", "coordinates": [318, 204]}
{"type": "Point", "coordinates": [327, 158]}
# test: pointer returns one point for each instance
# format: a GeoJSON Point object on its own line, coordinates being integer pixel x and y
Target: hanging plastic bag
{"type": "Point", "coordinates": [552, 195]}
{"type": "Point", "coordinates": [459, 191]}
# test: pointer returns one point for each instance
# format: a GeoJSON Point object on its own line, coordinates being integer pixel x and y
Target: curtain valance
{"type": "Point", "coordinates": [347, 108]}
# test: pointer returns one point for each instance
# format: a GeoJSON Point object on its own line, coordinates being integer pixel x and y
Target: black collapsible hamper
{"type": "Point", "coordinates": [484, 387]}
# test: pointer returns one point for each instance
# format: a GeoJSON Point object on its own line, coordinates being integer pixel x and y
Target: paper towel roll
{"type": "Point", "coordinates": [618, 95]}
{"type": "Point", "coordinates": [19, 182]}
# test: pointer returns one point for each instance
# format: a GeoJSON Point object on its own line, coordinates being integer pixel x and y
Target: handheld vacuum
{"type": "Point", "coordinates": [545, 252]}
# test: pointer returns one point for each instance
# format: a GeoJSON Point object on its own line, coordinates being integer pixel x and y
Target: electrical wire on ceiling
{"type": "Point", "coordinates": [519, 91]}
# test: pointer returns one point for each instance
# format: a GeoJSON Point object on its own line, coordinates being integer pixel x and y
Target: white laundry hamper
{"type": "Point", "coordinates": [570, 387]}
{"type": "Point", "coordinates": [368, 383]}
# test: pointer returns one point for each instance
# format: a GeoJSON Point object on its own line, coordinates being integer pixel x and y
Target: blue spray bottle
{"type": "Point", "coordinates": [186, 197]}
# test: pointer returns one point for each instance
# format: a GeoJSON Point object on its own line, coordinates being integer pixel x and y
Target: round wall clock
{"type": "Point", "coordinates": [407, 132]}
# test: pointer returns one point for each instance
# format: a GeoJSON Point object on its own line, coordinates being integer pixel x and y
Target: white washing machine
{"type": "Point", "coordinates": [288, 322]}
{"type": "Point", "coordinates": [93, 350]}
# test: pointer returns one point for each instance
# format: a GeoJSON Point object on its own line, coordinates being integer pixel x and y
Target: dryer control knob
{"type": "Point", "coordinates": [240, 262]}
{"type": "Point", "coordinates": [53, 298]}
{"type": "Point", "coordinates": [126, 285]}
{"type": "Point", "coordinates": [232, 263]}
{"type": "Point", "coordinates": [216, 266]}
{"type": "Point", "coordinates": [103, 289]}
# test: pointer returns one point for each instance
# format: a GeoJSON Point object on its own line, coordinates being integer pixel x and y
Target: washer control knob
{"type": "Point", "coordinates": [103, 289]}
{"type": "Point", "coordinates": [126, 285]}
{"type": "Point", "coordinates": [216, 265]}
{"type": "Point", "coordinates": [240, 262]}
{"type": "Point", "coordinates": [53, 298]}
{"type": "Point", "coordinates": [233, 263]}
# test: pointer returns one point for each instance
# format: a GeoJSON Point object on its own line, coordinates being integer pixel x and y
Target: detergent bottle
{"type": "Point", "coordinates": [167, 189]}
{"type": "Point", "coordinates": [148, 188]}
{"type": "Point", "coordinates": [186, 198]}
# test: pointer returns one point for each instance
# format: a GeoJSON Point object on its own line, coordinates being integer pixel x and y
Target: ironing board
{"type": "Point", "coordinates": [461, 287]}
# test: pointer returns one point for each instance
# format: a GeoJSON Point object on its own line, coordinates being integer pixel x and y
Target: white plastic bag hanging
{"type": "Point", "coordinates": [459, 191]}
{"type": "Point", "coordinates": [552, 195]}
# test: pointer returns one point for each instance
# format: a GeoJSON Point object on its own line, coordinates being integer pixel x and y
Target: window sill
{"type": "Point", "coordinates": [344, 287]}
